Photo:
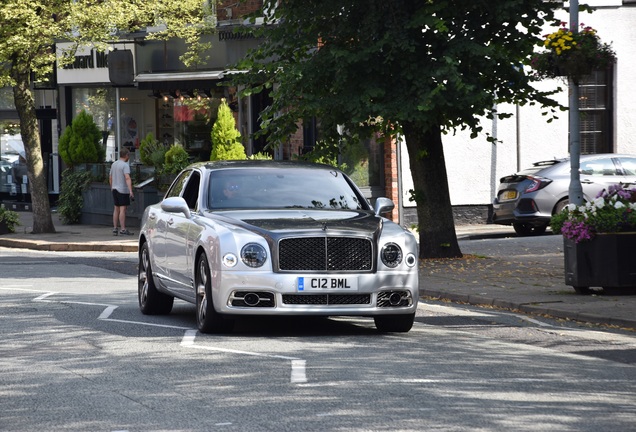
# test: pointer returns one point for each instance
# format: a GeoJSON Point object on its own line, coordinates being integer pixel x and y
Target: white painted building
{"type": "Point", "coordinates": [475, 165]}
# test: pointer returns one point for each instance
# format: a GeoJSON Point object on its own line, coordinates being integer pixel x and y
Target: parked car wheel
{"type": "Point", "coordinates": [394, 323]}
{"type": "Point", "coordinates": [525, 229]}
{"type": "Point", "coordinates": [151, 301]}
{"type": "Point", "coordinates": [208, 320]}
{"type": "Point", "coordinates": [561, 205]}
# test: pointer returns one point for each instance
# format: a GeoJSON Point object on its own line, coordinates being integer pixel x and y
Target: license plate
{"type": "Point", "coordinates": [509, 195]}
{"type": "Point", "coordinates": [327, 283]}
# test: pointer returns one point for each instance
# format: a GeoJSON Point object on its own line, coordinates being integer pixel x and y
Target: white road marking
{"type": "Point", "coordinates": [43, 297]}
{"type": "Point", "coordinates": [189, 342]}
{"type": "Point", "coordinates": [107, 312]}
{"type": "Point", "coordinates": [545, 327]}
{"type": "Point", "coordinates": [298, 374]}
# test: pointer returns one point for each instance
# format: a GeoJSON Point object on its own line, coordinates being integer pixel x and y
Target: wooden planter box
{"type": "Point", "coordinates": [607, 261]}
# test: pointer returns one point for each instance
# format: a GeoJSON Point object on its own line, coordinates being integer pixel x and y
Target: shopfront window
{"type": "Point", "coordinates": [188, 121]}
{"type": "Point", "coordinates": [98, 102]}
{"type": "Point", "coordinates": [10, 142]}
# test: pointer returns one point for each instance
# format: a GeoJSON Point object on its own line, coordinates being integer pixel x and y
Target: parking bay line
{"type": "Point", "coordinates": [298, 366]}
{"type": "Point", "coordinates": [298, 370]}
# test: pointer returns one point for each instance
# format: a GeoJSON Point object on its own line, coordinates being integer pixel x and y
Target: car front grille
{"type": "Point", "coordinates": [327, 299]}
{"type": "Point", "coordinates": [325, 254]}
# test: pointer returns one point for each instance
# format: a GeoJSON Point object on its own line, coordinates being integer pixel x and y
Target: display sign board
{"type": "Point", "coordinates": [89, 67]}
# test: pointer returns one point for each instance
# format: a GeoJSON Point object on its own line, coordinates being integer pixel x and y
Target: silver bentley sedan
{"type": "Point", "coordinates": [275, 238]}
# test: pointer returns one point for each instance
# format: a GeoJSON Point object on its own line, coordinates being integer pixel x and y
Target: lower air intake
{"type": "Point", "coordinates": [327, 299]}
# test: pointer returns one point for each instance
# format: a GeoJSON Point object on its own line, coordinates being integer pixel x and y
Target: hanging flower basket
{"type": "Point", "coordinates": [572, 54]}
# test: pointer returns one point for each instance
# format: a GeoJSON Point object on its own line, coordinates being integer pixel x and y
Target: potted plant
{"type": "Point", "coordinates": [572, 54]}
{"type": "Point", "coordinates": [8, 220]}
{"type": "Point", "coordinates": [226, 139]}
{"type": "Point", "coordinates": [600, 240]}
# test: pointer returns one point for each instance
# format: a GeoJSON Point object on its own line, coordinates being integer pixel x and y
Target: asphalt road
{"type": "Point", "coordinates": [76, 355]}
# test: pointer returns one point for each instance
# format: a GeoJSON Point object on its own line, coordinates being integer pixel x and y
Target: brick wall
{"type": "Point", "coordinates": [391, 174]}
{"type": "Point", "coordinates": [294, 146]}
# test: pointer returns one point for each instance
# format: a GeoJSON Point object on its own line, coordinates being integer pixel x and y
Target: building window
{"type": "Point", "coordinates": [596, 108]}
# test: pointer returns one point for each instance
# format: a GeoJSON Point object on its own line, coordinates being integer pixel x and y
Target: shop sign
{"type": "Point", "coordinates": [89, 67]}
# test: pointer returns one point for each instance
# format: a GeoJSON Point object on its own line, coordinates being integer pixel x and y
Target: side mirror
{"type": "Point", "coordinates": [383, 205]}
{"type": "Point", "coordinates": [176, 205]}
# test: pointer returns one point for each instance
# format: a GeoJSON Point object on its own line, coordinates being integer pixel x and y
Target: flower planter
{"type": "Point", "coordinates": [607, 261]}
{"type": "Point", "coordinates": [97, 208]}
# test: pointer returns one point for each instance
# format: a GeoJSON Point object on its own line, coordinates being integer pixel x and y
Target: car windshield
{"type": "Point", "coordinates": [275, 188]}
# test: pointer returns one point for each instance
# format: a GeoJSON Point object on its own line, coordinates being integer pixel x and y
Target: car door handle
{"type": "Point", "coordinates": [170, 221]}
{"type": "Point", "coordinates": [586, 181]}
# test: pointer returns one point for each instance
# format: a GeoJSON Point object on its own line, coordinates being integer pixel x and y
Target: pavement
{"type": "Point", "coordinates": [513, 273]}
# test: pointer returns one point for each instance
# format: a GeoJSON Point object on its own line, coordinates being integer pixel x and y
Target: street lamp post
{"type": "Point", "coordinates": [575, 190]}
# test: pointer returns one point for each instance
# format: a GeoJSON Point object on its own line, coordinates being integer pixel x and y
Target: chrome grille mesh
{"type": "Point", "coordinates": [327, 299]}
{"type": "Point", "coordinates": [325, 254]}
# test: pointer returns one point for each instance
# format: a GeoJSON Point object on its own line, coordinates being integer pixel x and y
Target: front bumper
{"type": "Point", "coordinates": [250, 293]}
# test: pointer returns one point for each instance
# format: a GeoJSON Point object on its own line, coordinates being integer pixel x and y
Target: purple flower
{"type": "Point", "coordinates": [577, 231]}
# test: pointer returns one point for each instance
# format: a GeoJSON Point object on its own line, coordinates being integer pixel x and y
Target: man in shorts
{"type": "Point", "coordinates": [121, 187]}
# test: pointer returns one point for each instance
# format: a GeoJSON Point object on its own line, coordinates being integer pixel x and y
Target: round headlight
{"type": "Point", "coordinates": [253, 255]}
{"type": "Point", "coordinates": [391, 255]}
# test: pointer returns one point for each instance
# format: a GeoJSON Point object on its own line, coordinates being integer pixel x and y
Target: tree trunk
{"type": "Point", "coordinates": [434, 212]}
{"type": "Point", "coordinates": [25, 105]}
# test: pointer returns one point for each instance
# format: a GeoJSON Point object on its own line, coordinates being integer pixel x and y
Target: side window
{"type": "Point", "coordinates": [629, 165]}
{"type": "Point", "coordinates": [598, 167]}
{"type": "Point", "coordinates": [177, 185]}
{"type": "Point", "coordinates": [191, 191]}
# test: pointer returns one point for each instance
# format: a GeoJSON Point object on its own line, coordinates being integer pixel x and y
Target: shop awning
{"type": "Point", "coordinates": [178, 80]}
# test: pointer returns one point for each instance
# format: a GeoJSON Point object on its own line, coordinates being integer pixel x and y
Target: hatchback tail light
{"type": "Point", "coordinates": [536, 183]}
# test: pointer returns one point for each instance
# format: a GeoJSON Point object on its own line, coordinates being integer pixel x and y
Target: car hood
{"type": "Point", "coordinates": [279, 222]}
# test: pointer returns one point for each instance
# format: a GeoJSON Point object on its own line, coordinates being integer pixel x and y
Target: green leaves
{"type": "Point", "coordinates": [80, 142]}
{"type": "Point", "coordinates": [400, 61]}
{"type": "Point", "coordinates": [226, 139]}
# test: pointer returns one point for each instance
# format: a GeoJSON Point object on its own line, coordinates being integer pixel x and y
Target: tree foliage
{"type": "Point", "coordinates": [176, 159]}
{"type": "Point", "coordinates": [420, 69]}
{"type": "Point", "coordinates": [152, 152]}
{"type": "Point", "coordinates": [30, 28]}
{"type": "Point", "coordinates": [226, 139]}
{"type": "Point", "coordinates": [80, 142]}
{"type": "Point", "coordinates": [71, 200]}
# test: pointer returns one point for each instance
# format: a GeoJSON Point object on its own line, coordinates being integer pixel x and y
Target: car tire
{"type": "Point", "coordinates": [394, 323]}
{"type": "Point", "coordinates": [558, 208]}
{"type": "Point", "coordinates": [151, 300]}
{"type": "Point", "coordinates": [208, 319]}
{"type": "Point", "coordinates": [525, 229]}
